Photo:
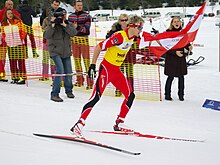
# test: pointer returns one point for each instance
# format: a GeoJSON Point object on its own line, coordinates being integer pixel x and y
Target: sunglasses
{"type": "Point", "coordinates": [139, 27]}
{"type": "Point", "coordinates": [124, 20]}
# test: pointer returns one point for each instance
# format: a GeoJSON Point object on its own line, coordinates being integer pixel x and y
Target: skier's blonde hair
{"type": "Point", "coordinates": [135, 20]}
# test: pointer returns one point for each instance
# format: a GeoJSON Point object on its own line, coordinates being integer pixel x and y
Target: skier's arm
{"type": "Point", "coordinates": [96, 54]}
{"type": "Point", "coordinates": [115, 39]}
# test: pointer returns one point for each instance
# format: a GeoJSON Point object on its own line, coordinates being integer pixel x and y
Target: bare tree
{"type": "Point", "coordinates": [87, 3]}
{"type": "Point", "coordinates": [114, 4]}
{"type": "Point", "coordinates": [47, 5]}
{"type": "Point", "coordinates": [143, 5]}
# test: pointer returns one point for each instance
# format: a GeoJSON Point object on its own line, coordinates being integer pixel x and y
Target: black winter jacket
{"type": "Point", "coordinates": [115, 27]}
{"type": "Point", "coordinates": [174, 65]}
{"type": "Point", "coordinates": [26, 12]}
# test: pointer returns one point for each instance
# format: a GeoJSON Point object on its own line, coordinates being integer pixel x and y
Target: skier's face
{"type": "Point", "coordinates": [176, 23]}
{"type": "Point", "coordinates": [136, 29]}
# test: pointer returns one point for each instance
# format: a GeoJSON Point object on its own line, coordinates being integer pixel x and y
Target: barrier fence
{"type": "Point", "coordinates": [31, 61]}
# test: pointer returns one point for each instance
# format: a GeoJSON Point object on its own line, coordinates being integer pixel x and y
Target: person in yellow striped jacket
{"type": "Point", "coordinates": [116, 48]}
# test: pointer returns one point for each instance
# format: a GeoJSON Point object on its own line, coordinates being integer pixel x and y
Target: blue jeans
{"type": "Point", "coordinates": [63, 66]}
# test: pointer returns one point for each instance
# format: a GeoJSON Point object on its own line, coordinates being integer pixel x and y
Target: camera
{"type": "Point", "coordinates": [58, 13]}
{"type": "Point", "coordinates": [58, 21]}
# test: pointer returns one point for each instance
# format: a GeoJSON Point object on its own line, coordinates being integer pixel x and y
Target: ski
{"type": "Point", "coordinates": [86, 141]}
{"type": "Point", "coordinates": [138, 134]}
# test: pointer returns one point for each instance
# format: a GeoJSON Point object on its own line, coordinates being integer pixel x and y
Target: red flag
{"type": "Point", "coordinates": [165, 41]}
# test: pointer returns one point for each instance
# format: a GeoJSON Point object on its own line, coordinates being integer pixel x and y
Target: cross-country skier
{"type": "Point", "coordinates": [116, 48]}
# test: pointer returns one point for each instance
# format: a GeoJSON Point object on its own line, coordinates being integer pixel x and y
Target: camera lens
{"type": "Point", "coordinates": [58, 14]}
{"type": "Point", "coordinates": [58, 21]}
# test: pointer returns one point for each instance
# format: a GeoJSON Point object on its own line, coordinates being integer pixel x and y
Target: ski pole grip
{"type": "Point", "coordinates": [92, 71]}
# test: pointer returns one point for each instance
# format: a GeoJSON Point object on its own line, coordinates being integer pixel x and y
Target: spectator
{"type": "Point", "coordinates": [58, 34]}
{"type": "Point", "coordinates": [27, 12]}
{"type": "Point", "coordinates": [8, 5]}
{"type": "Point", "coordinates": [127, 66]}
{"type": "Point", "coordinates": [175, 63]}
{"type": "Point", "coordinates": [117, 47]}
{"type": "Point", "coordinates": [44, 21]}
{"type": "Point", "coordinates": [80, 43]}
{"type": "Point", "coordinates": [3, 47]}
{"type": "Point", "coordinates": [13, 34]}
{"type": "Point", "coordinates": [121, 24]}
{"type": "Point", "coordinates": [46, 61]}
{"type": "Point", "coordinates": [47, 12]}
{"type": "Point", "coordinates": [3, 50]}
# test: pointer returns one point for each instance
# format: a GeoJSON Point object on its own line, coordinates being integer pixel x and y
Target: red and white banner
{"type": "Point", "coordinates": [162, 42]}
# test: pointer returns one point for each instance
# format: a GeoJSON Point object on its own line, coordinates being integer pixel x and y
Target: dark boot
{"type": "Point", "coordinates": [168, 98]}
{"type": "Point", "coordinates": [181, 98]}
{"type": "Point", "coordinates": [70, 95]}
{"type": "Point", "coordinates": [56, 99]}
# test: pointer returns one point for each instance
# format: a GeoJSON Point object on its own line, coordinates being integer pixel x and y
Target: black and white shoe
{"type": "Point", "coordinates": [120, 126]}
{"type": "Point", "coordinates": [14, 81]}
{"type": "Point", "coordinates": [3, 79]}
{"type": "Point", "coordinates": [21, 82]}
{"type": "Point", "coordinates": [76, 130]}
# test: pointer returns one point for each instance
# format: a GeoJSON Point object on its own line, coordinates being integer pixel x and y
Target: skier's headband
{"type": "Point", "coordinates": [138, 26]}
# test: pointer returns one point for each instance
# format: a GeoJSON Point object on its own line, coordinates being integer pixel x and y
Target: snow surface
{"type": "Point", "coordinates": [27, 110]}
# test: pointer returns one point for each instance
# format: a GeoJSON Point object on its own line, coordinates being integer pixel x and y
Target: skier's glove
{"type": "Point", "coordinates": [154, 31]}
{"type": "Point", "coordinates": [92, 71]}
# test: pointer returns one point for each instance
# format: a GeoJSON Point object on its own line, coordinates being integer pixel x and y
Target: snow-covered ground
{"type": "Point", "coordinates": [27, 110]}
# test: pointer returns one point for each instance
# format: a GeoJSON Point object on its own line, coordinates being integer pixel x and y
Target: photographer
{"type": "Point", "coordinates": [58, 34]}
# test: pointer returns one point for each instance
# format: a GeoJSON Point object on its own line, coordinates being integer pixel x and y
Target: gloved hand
{"type": "Point", "coordinates": [92, 71]}
{"type": "Point", "coordinates": [154, 31]}
{"type": "Point", "coordinates": [66, 22]}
